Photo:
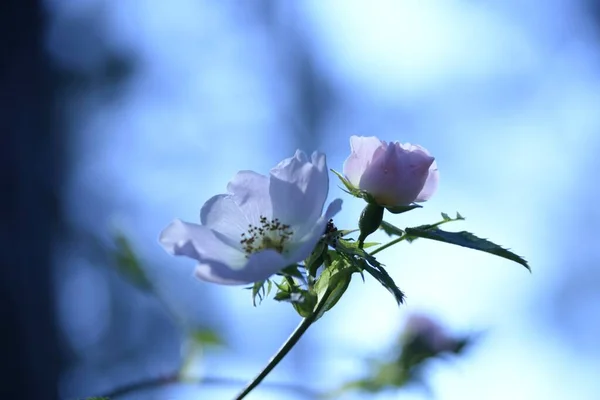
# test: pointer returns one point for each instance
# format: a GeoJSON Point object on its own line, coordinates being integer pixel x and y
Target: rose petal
{"type": "Point", "coordinates": [259, 267]}
{"type": "Point", "coordinates": [310, 237]}
{"type": "Point", "coordinates": [200, 243]}
{"type": "Point", "coordinates": [431, 184]}
{"type": "Point", "coordinates": [298, 189]}
{"type": "Point", "coordinates": [250, 191]}
{"type": "Point", "coordinates": [221, 213]}
{"type": "Point", "coordinates": [362, 151]}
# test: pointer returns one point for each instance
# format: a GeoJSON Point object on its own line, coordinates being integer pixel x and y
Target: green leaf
{"type": "Point", "coordinates": [315, 259]}
{"type": "Point", "coordinates": [362, 260]}
{"type": "Point", "coordinates": [128, 263]}
{"type": "Point", "coordinates": [351, 244]}
{"type": "Point", "coordinates": [293, 271]}
{"type": "Point", "coordinates": [390, 229]}
{"type": "Point", "coordinates": [205, 337]}
{"type": "Point", "coordinates": [346, 232]}
{"type": "Point", "coordinates": [386, 280]}
{"type": "Point", "coordinates": [466, 239]}
{"type": "Point", "coordinates": [332, 283]}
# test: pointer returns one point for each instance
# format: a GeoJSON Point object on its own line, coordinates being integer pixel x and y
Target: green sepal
{"type": "Point", "coordinates": [402, 209]}
{"type": "Point", "coordinates": [369, 221]}
{"type": "Point", "coordinates": [259, 290]}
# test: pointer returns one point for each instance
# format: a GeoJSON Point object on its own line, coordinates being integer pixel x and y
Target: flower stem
{"type": "Point", "coordinates": [285, 348]}
{"type": "Point", "coordinates": [388, 244]}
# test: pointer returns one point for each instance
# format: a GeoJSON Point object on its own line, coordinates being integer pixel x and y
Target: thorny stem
{"type": "Point", "coordinates": [285, 348]}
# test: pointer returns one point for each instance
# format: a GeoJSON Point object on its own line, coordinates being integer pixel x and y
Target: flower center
{"type": "Point", "coordinates": [269, 234]}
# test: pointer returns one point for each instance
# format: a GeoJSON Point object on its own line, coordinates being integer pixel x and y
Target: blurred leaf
{"type": "Point", "coordinates": [390, 229]}
{"type": "Point", "coordinates": [351, 244]}
{"type": "Point", "coordinates": [128, 264]}
{"type": "Point", "coordinates": [206, 337]}
{"type": "Point", "coordinates": [466, 239]}
{"type": "Point", "coordinates": [293, 271]}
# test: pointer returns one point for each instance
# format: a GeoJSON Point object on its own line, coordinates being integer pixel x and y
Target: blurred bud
{"type": "Point", "coordinates": [429, 333]}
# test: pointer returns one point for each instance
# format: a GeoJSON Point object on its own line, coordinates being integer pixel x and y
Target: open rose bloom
{"type": "Point", "coordinates": [394, 174]}
{"type": "Point", "coordinates": [261, 226]}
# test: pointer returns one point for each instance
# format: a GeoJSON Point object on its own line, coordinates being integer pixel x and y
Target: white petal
{"type": "Point", "coordinates": [298, 189]}
{"type": "Point", "coordinates": [259, 267]}
{"type": "Point", "coordinates": [362, 150]}
{"type": "Point", "coordinates": [250, 191]}
{"type": "Point", "coordinates": [311, 236]}
{"type": "Point", "coordinates": [220, 213]}
{"type": "Point", "coordinates": [200, 243]}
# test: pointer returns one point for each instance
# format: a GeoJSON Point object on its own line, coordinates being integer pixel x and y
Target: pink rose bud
{"type": "Point", "coordinates": [394, 174]}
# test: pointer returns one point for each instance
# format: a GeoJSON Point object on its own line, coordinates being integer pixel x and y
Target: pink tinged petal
{"type": "Point", "coordinates": [396, 176]}
{"type": "Point", "coordinates": [298, 189]}
{"type": "Point", "coordinates": [259, 266]}
{"type": "Point", "coordinates": [250, 191]}
{"type": "Point", "coordinates": [430, 185]}
{"type": "Point", "coordinates": [362, 152]}
{"type": "Point", "coordinates": [200, 243]}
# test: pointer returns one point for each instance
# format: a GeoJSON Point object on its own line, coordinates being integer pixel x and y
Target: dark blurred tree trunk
{"type": "Point", "coordinates": [29, 174]}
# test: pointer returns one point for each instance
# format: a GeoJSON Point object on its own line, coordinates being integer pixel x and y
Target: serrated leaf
{"type": "Point", "coordinates": [128, 263]}
{"type": "Point", "coordinates": [466, 239]}
{"type": "Point", "coordinates": [390, 229]}
{"type": "Point", "coordinates": [368, 263]}
{"type": "Point", "coordinates": [386, 281]}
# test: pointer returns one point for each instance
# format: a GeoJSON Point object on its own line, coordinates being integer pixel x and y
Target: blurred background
{"type": "Point", "coordinates": [119, 116]}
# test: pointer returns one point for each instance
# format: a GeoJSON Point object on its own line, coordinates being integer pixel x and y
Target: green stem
{"type": "Point", "coordinates": [388, 244]}
{"type": "Point", "coordinates": [285, 348]}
